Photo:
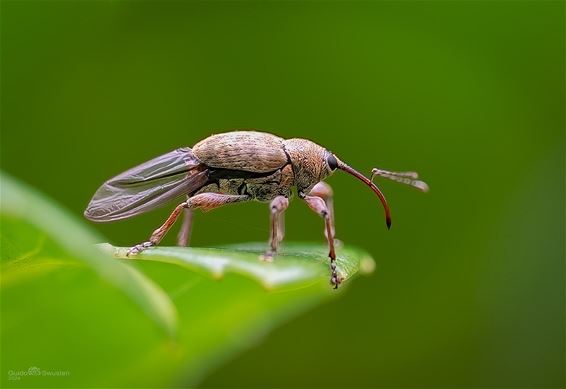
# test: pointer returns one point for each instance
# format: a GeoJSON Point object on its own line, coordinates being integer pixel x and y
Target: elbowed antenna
{"type": "Point", "coordinates": [368, 182]}
{"type": "Point", "coordinates": [407, 178]}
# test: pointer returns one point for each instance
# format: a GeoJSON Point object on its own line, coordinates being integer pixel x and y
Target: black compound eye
{"type": "Point", "coordinates": [332, 162]}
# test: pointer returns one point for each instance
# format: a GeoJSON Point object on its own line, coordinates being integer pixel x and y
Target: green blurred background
{"type": "Point", "coordinates": [469, 286]}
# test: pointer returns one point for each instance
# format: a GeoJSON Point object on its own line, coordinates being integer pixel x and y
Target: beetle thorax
{"type": "Point", "coordinates": [308, 161]}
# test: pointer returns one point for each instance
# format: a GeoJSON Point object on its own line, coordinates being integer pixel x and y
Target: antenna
{"type": "Point", "coordinates": [407, 178]}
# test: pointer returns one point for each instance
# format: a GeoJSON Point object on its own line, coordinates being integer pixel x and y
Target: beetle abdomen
{"type": "Point", "coordinates": [250, 151]}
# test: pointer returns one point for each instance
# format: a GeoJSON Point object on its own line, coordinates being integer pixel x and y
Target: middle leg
{"type": "Point", "coordinates": [277, 226]}
{"type": "Point", "coordinates": [184, 236]}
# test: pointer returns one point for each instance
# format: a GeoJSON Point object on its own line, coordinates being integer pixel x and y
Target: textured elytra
{"type": "Point", "coordinates": [242, 150]}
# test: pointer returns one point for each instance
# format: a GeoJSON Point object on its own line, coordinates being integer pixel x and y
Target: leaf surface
{"type": "Point", "coordinates": [167, 317]}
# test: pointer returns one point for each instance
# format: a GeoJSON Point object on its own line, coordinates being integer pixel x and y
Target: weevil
{"type": "Point", "coordinates": [234, 167]}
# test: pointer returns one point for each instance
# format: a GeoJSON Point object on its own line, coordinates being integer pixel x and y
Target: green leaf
{"type": "Point", "coordinates": [23, 209]}
{"type": "Point", "coordinates": [296, 265]}
{"type": "Point", "coordinates": [165, 318]}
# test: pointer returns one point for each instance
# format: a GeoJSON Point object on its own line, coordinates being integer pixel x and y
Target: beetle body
{"type": "Point", "coordinates": [227, 168]}
{"type": "Point", "coordinates": [260, 165]}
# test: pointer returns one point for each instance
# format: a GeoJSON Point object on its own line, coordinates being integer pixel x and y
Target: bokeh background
{"type": "Point", "coordinates": [469, 285]}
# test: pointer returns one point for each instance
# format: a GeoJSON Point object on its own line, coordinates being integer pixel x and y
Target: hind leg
{"type": "Point", "coordinates": [204, 201]}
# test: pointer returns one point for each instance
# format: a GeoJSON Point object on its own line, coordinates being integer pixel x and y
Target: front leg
{"type": "Point", "coordinates": [324, 191]}
{"type": "Point", "coordinates": [318, 205]}
{"type": "Point", "coordinates": [204, 201]}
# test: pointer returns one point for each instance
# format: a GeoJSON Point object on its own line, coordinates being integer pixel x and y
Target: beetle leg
{"type": "Point", "coordinates": [184, 236]}
{"type": "Point", "coordinates": [277, 217]}
{"type": "Point", "coordinates": [204, 201]}
{"type": "Point", "coordinates": [318, 205]}
{"type": "Point", "coordinates": [324, 191]}
{"type": "Point", "coordinates": [281, 227]}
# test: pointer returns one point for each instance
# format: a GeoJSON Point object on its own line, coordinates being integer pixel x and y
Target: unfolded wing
{"type": "Point", "coordinates": [148, 186]}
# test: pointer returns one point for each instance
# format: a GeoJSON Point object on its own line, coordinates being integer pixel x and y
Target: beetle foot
{"type": "Point", "coordinates": [267, 256]}
{"type": "Point", "coordinates": [135, 250]}
{"type": "Point", "coordinates": [335, 279]}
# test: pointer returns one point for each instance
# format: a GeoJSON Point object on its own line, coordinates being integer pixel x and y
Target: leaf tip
{"type": "Point", "coordinates": [367, 265]}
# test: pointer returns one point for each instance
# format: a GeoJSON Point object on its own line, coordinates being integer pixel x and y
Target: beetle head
{"type": "Point", "coordinates": [310, 163]}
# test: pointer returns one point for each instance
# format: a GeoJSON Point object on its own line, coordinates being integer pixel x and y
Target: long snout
{"type": "Point", "coordinates": [343, 166]}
